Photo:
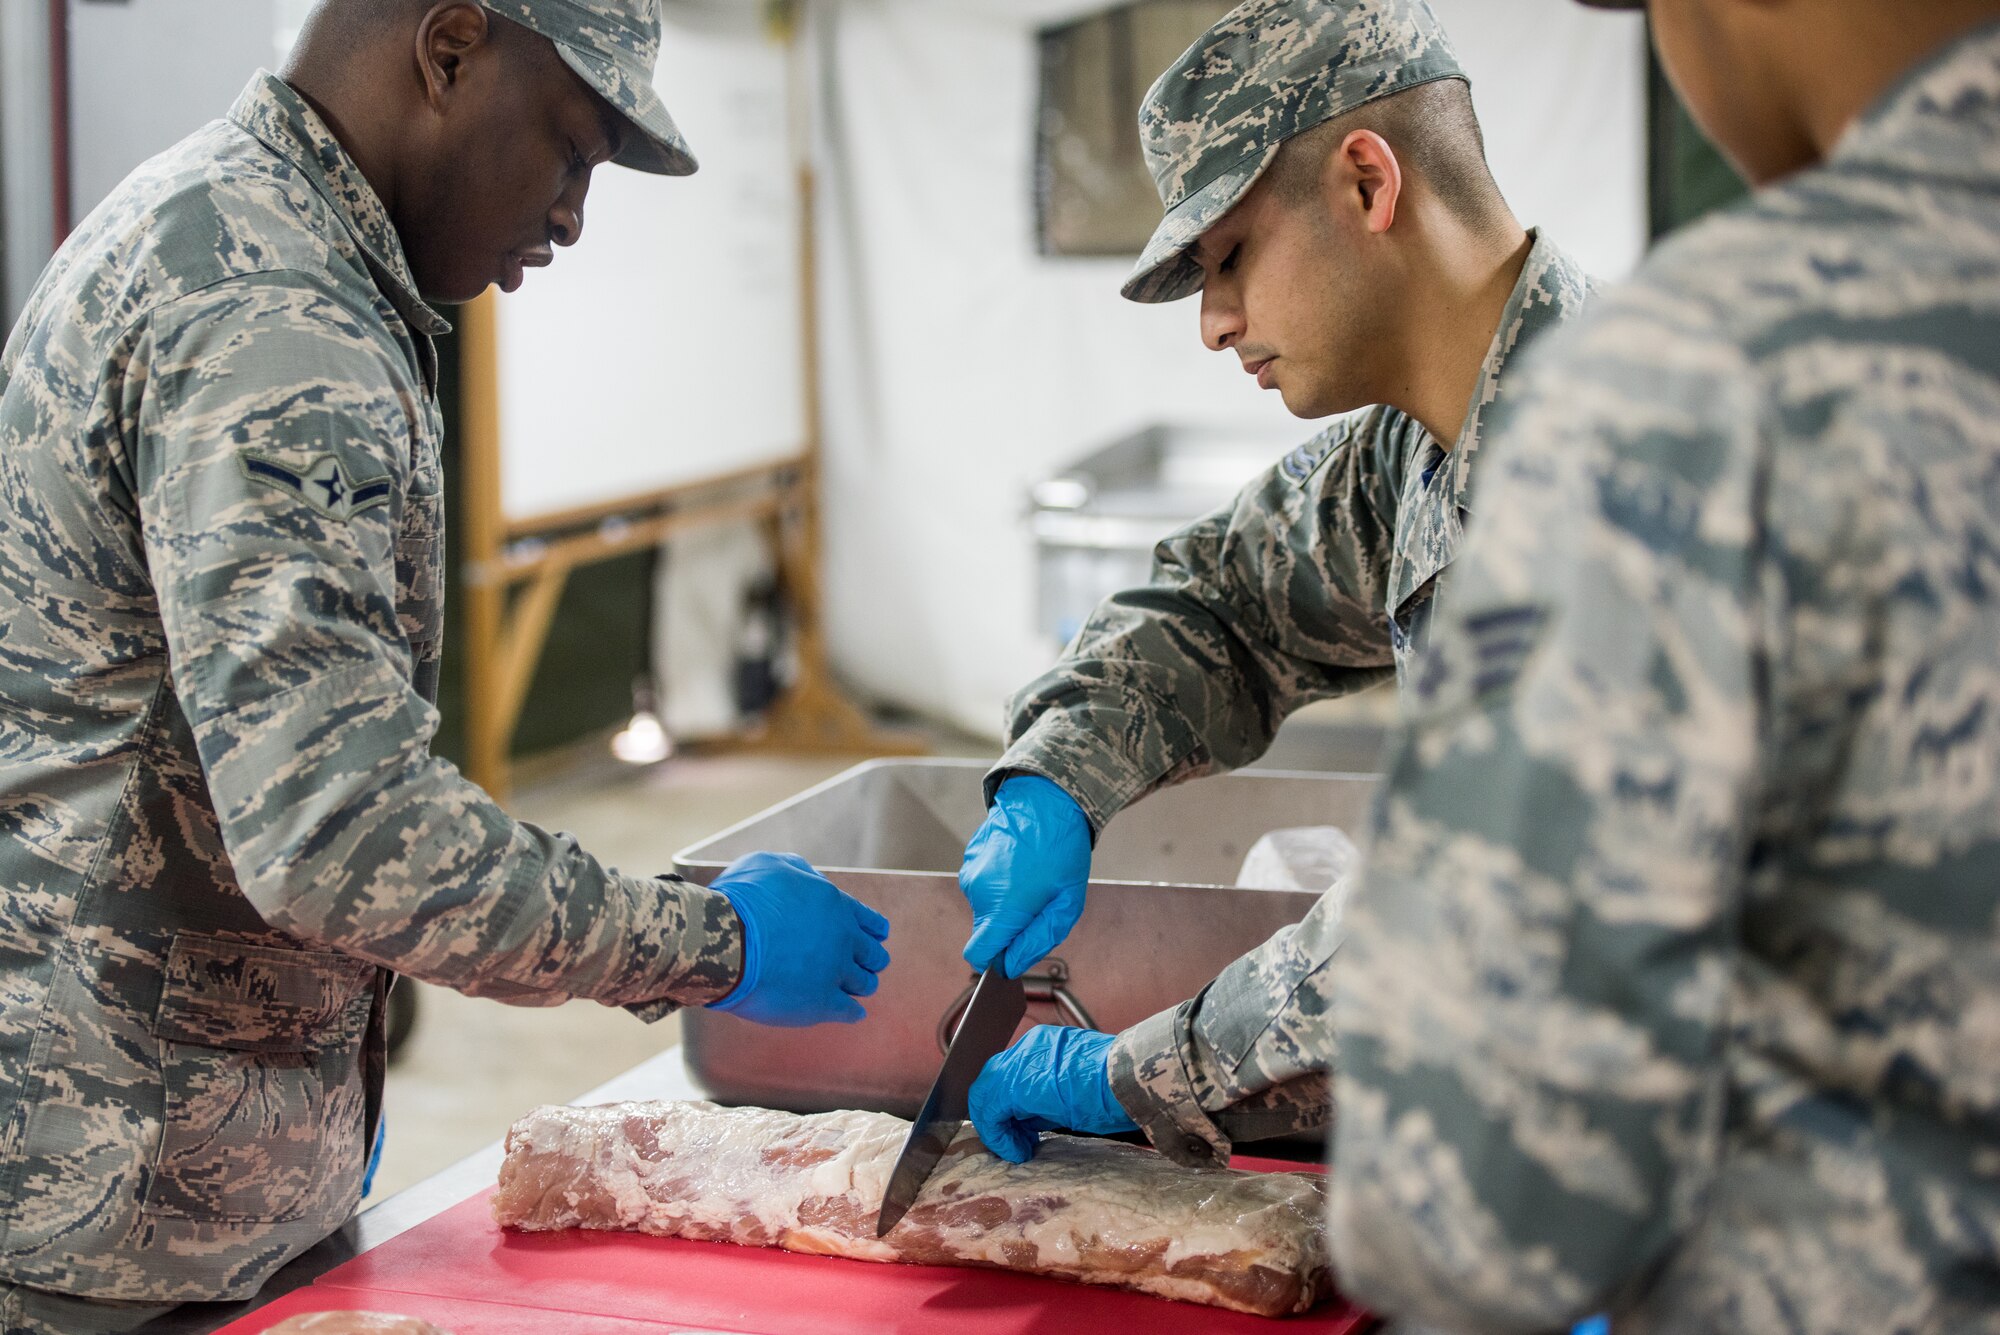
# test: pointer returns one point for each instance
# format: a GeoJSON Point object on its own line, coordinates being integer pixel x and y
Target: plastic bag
{"type": "Point", "coordinates": [1308, 857]}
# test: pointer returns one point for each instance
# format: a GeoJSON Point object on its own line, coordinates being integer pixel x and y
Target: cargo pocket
{"type": "Point", "coordinates": [260, 1057]}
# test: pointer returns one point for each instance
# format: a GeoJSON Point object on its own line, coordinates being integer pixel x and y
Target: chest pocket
{"type": "Point", "coordinates": [420, 567]}
{"type": "Point", "coordinates": [260, 1058]}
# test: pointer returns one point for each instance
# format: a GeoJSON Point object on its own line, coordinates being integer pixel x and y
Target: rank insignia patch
{"type": "Point", "coordinates": [1303, 462]}
{"type": "Point", "coordinates": [323, 484]}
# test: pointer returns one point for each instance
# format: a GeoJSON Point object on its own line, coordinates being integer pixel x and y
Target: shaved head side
{"type": "Point", "coordinates": [343, 22]}
{"type": "Point", "coordinates": [1436, 137]}
{"type": "Point", "coordinates": [338, 32]}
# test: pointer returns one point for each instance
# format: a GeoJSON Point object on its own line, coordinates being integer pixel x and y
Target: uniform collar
{"type": "Point", "coordinates": [1430, 523]}
{"type": "Point", "coordinates": [275, 115]}
{"type": "Point", "coordinates": [1551, 288]}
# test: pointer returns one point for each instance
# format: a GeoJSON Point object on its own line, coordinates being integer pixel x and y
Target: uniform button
{"type": "Point", "coordinates": [1198, 1147]}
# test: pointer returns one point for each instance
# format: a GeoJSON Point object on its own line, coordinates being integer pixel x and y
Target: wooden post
{"type": "Point", "coordinates": [486, 731]}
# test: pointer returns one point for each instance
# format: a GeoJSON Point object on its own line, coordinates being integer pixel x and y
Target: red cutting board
{"type": "Point", "coordinates": [763, 1291]}
{"type": "Point", "coordinates": [457, 1315]}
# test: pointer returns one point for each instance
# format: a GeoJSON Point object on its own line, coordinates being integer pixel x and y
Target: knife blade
{"type": "Point", "coordinates": [995, 1011]}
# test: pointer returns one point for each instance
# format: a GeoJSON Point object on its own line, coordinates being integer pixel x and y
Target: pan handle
{"type": "Point", "coordinates": [1050, 987]}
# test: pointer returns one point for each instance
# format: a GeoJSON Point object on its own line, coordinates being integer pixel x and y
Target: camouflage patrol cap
{"type": "Point", "coordinates": [1268, 70]}
{"type": "Point", "coordinates": [613, 45]}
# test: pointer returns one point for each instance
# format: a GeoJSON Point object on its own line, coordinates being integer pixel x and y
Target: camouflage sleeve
{"type": "Point", "coordinates": [1247, 1059]}
{"type": "Point", "coordinates": [270, 457]}
{"type": "Point", "coordinates": [1537, 973]}
{"type": "Point", "coordinates": [1267, 605]}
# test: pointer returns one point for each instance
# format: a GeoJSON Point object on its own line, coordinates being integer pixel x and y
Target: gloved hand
{"type": "Point", "coordinates": [1055, 1077]}
{"type": "Point", "coordinates": [808, 949]}
{"type": "Point", "coordinates": [1024, 874]}
{"type": "Point", "coordinates": [375, 1151]}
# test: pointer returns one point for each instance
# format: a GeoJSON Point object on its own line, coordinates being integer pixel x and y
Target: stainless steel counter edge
{"type": "Point", "coordinates": [661, 1077]}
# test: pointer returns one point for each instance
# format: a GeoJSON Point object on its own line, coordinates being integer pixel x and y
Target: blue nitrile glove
{"type": "Point", "coordinates": [1024, 874]}
{"type": "Point", "coordinates": [375, 1154]}
{"type": "Point", "coordinates": [808, 949]}
{"type": "Point", "coordinates": [1056, 1077]}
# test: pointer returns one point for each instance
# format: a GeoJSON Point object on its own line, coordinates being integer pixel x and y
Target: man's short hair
{"type": "Point", "coordinates": [1435, 134]}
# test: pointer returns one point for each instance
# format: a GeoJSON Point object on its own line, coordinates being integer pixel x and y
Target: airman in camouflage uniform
{"type": "Point", "coordinates": [1672, 985]}
{"type": "Point", "coordinates": [220, 823]}
{"type": "Point", "coordinates": [1316, 582]}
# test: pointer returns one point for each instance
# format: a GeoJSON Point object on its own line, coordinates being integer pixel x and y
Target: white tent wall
{"type": "Point", "coordinates": [961, 365]}
{"type": "Point", "coordinates": [27, 155]}
{"type": "Point", "coordinates": [122, 111]}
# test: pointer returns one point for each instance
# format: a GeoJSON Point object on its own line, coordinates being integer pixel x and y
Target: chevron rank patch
{"type": "Point", "coordinates": [1502, 641]}
{"type": "Point", "coordinates": [323, 483]}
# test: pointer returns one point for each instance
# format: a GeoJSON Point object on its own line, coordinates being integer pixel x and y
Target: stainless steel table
{"type": "Point", "coordinates": [662, 1077]}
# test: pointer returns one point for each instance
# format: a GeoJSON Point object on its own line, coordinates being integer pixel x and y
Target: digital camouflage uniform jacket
{"type": "Point", "coordinates": [220, 579]}
{"type": "Point", "coordinates": [1673, 981]}
{"type": "Point", "coordinates": [1318, 581]}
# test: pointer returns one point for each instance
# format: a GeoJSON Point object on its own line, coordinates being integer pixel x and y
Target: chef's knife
{"type": "Point", "coordinates": [995, 1011]}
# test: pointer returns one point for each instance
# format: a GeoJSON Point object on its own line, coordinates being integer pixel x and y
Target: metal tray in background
{"type": "Point", "coordinates": [1096, 522]}
{"type": "Point", "coordinates": [1163, 916]}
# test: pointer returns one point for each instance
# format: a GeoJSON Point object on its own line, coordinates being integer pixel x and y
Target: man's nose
{"type": "Point", "coordinates": [1221, 318]}
{"type": "Point", "coordinates": [566, 220]}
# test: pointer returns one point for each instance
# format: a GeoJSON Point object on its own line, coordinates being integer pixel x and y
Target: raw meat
{"type": "Point", "coordinates": [1091, 1210]}
{"type": "Point", "coordinates": [354, 1323]}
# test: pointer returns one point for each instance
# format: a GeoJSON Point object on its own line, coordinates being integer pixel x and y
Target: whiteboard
{"type": "Point", "coordinates": [664, 347]}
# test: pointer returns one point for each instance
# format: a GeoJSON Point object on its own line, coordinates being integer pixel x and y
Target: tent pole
{"type": "Point", "coordinates": [487, 727]}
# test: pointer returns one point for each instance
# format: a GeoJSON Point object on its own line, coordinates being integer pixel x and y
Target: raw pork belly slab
{"type": "Point", "coordinates": [1091, 1210]}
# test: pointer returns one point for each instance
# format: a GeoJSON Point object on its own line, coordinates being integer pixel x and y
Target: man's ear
{"type": "Point", "coordinates": [1365, 169]}
{"type": "Point", "coordinates": [447, 34]}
